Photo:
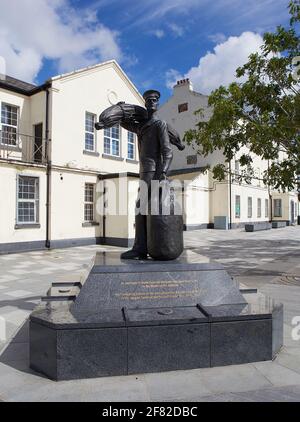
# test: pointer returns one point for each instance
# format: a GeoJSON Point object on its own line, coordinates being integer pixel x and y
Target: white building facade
{"type": "Point", "coordinates": [209, 203]}
{"type": "Point", "coordinates": [53, 164]}
{"type": "Point", "coordinates": [64, 184]}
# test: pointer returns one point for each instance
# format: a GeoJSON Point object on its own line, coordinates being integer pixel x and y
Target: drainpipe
{"type": "Point", "coordinates": [48, 174]}
{"type": "Point", "coordinates": [270, 198]}
{"type": "Point", "coordinates": [104, 214]}
{"type": "Point", "coordinates": [230, 197]}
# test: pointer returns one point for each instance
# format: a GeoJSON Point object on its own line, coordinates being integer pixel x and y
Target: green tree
{"type": "Point", "coordinates": [262, 113]}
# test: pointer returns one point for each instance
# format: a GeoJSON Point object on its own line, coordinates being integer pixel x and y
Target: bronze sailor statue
{"type": "Point", "coordinates": [160, 236]}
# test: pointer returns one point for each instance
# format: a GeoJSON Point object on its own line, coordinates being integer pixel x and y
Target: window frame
{"type": "Point", "coordinates": [237, 210]}
{"type": "Point", "coordinates": [266, 208]}
{"type": "Point", "coordinates": [131, 143]}
{"type": "Point", "coordinates": [249, 201]}
{"type": "Point", "coordinates": [277, 200]}
{"type": "Point", "coordinates": [259, 205]}
{"type": "Point", "coordinates": [35, 200]}
{"type": "Point", "coordinates": [111, 138]}
{"type": "Point", "coordinates": [4, 144]}
{"type": "Point", "coordinates": [89, 203]}
{"type": "Point", "coordinates": [182, 107]}
{"type": "Point", "coordinates": [87, 132]}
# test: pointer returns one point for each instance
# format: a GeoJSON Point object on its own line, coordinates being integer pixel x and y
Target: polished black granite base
{"type": "Point", "coordinates": [146, 316]}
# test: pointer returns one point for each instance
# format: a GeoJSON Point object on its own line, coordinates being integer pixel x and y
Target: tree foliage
{"type": "Point", "coordinates": [262, 113]}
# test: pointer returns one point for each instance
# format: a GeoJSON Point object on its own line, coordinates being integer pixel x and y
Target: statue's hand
{"type": "Point", "coordinates": [99, 125]}
{"type": "Point", "coordinates": [163, 177]}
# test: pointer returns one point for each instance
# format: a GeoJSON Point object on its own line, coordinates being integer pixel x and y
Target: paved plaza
{"type": "Point", "coordinates": [267, 260]}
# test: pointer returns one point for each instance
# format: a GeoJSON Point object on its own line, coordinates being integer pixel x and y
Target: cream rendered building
{"type": "Point", "coordinates": [54, 165]}
{"type": "Point", "coordinates": [64, 184]}
{"type": "Point", "coordinates": [209, 203]}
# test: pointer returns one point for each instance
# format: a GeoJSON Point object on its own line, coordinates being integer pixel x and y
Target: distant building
{"type": "Point", "coordinates": [59, 177]}
{"type": "Point", "coordinates": [226, 203]}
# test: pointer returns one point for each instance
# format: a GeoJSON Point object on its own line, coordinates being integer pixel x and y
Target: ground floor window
{"type": "Point", "coordinates": [277, 208]}
{"type": "Point", "coordinates": [249, 207]}
{"type": "Point", "coordinates": [89, 203]}
{"type": "Point", "coordinates": [258, 208]}
{"type": "Point", "coordinates": [266, 208]}
{"type": "Point", "coordinates": [28, 200]}
{"type": "Point", "coordinates": [237, 206]}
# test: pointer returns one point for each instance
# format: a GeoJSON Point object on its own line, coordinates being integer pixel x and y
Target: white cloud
{"type": "Point", "coordinates": [217, 38]}
{"type": "Point", "coordinates": [219, 67]}
{"type": "Point", "coordinates": [158, 33]}
{"type": "Point", "coordinates": [34, 30]}
{"type": "Point", "coordinates": [172, 76]}
{"type": "Point", "coordinates": [177, 30]}
{"type": "Point", "coordinates": [2, 67]}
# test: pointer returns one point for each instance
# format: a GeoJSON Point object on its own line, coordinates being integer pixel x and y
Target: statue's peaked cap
{"type": "Point", "coordinates": [151, 93]}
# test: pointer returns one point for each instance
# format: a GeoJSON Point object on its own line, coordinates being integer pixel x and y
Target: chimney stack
{"type": "Point", "coordinates": [184, 83]}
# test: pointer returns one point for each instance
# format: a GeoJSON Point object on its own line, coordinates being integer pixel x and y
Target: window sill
{"type": "Point", "coordinates": [90, 224]}
{"type": "Point", "coordinates": [10, 148]}
{"type": "Point", "coordinates": [129, 160]}
{"type": "Point", "coordinates": [27, 226]}
{"type": "Point", "coordinates": [93, 153]}
{"type": "Point", "coordinates": [112, 157]}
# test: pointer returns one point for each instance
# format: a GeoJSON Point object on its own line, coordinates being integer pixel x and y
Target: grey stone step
{"type": "Point", "coordinates": [63, 291]}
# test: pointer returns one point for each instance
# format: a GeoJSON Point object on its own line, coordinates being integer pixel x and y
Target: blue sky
{"type": "Point", "coordinates": [155, 41]}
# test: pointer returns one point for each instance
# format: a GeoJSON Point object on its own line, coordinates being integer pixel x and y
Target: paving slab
{"type": "Point", "coordinates": [260, 261]}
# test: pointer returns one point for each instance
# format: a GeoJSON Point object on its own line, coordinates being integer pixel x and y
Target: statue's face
{"type": "Point", "coordinates": [151, 104]}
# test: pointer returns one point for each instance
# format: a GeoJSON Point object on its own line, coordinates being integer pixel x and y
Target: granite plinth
{"type": "Point", "coordinates": [278, 224]}
{"type": "Point", "coordinates": [115, 283]}
{"type": "Point", "coordinates": [237, 342]}
{"type": "Point", "coordinates": [168, 347]}
{"type": "Point", "coordinates": [253, 227]}
{"type": "Point", "coordinates": [149, 316]}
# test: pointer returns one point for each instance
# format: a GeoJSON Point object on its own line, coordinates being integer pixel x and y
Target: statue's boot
{"type": "Point", "coordinates": [139, 250]}
{"type": "Point", "coordinates": [133, 254]}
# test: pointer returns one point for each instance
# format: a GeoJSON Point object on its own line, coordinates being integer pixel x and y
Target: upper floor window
{"type": "Point", "coordinates": [112, 141]}
{"type": "Point", "coordinates": [249, 207]}
{"type": "Point", "coordinates": [191, 159]}
{"type": "Point", "coordinates": [277, 208]}
{"type": "Point", "coordinates": [182, 107]}
{"type": "Point", "coordinates": [9, 124]}
{"type": "Point", "coordinates": [90, 131]}
{"type": "Point", "coordinates": [130, 145]}
{"type": "Point", "coordinates": [237, 206]}
{"type": "Point", "coordinates": [89, 202]}
{"type": "Point", "coordinates": [258, 208]}
{"type": "Point", "coordinates": [28, 200]}
{"type": "Point", "coordinates": [237, 167]}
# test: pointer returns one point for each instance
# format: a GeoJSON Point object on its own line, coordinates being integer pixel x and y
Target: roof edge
{"type": "Point", "coordinates": [98, 65]}
{"type": "Point", "coordinates": [24, 92]}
